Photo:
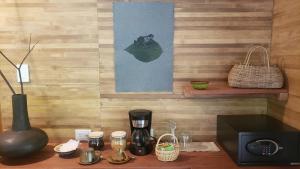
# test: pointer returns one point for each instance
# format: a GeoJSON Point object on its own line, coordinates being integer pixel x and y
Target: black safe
{"type": "Point", "coordinates": [258, 140]}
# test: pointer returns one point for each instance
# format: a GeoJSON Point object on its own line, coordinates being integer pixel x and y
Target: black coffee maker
{"type": "Point", "coordinates": [140, 123]}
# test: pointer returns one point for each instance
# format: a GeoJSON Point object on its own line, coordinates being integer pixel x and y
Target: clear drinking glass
{"type": "Point", "coordinates": [118, 141]}
{"type": "Point", "coordinates": [118, 145]}
{"type": "Point", "coordinates": [185, 140]}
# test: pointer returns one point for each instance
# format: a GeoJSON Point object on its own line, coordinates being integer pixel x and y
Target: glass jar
{"type": "Point", "coordinates": [118, 141]}
{"type": "Point", "coordinates": [96, 140]}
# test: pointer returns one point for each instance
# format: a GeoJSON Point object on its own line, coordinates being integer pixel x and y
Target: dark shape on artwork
{"type": "Point", "coordinates": [145, 49]}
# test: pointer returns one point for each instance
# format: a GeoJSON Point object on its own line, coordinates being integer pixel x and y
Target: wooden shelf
{"type": "Point", "coordinates": [223, 90]}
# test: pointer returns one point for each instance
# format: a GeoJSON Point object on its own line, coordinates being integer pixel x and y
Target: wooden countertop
{"type": "Point", "coordinates": [48, 159]}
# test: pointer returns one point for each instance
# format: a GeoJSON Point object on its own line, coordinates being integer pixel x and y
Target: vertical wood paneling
{"type": "Point", "coordinates": [286, 52]}
{"type": "Point", "coordinates": [74, 63]}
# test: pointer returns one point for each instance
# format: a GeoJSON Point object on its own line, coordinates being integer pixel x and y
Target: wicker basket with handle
{"type": "Point", "coordinates": [164, 155]}
{"type": "Point", "coordinates": [255, 76]}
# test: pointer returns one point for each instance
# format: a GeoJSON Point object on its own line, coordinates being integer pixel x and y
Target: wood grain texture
{"type": "Point", "coordinates": [223, 90]}
{"type": "Point", "coordinates": [195, 115]}
{"type": "Point", "coordinates": [186, 160]}
{"type": "Point", "coordinates": [286, 53]}
{"type": "Point", "coordinates": [64, 90]}
{"type": "Point", "coordinates": [72, 68]}
{"type": "Point", "coordinates": [0, 120]}
{"type": "Point", "coordinates": [210, 36]}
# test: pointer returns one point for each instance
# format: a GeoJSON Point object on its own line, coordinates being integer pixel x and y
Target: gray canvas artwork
{"type": "Point", "coordinates": [143, 41]}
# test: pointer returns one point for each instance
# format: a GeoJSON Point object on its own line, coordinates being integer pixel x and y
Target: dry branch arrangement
{"type": "Point", "coordinates": [30, 49]}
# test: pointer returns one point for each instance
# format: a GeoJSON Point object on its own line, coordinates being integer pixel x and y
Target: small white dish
{"type": "Point", "coordinates": [65, 153]}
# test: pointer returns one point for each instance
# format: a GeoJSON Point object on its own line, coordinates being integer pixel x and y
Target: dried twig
{"type": "Point", "coordinates": [25, 57]}
{"type": "Point", "coordinates": [6, 81]}
{"type": "Point", "coordinates": [18, 68]}
{"type": "Point", "coordinates": [29, 42]}
{"type": "Point", "coordinates": [29, 51]}
{"type": "Point", "coordinates": [8, 60]}
{"type": "Point", "coordinates": [21, 80]}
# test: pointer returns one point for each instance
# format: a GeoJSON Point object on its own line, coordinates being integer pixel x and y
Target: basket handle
{"type": "Point", "coordinates": [248, 55]}
{"type": "Point", "coordinates": [266, 56]}
{"type": "Point", "coordinates": [167, 134]}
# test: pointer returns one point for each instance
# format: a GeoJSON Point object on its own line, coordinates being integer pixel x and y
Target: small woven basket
{"type": "Point", "coordinates": [255, 76]}
{"type": "Point", "coordinates": [163, 155]}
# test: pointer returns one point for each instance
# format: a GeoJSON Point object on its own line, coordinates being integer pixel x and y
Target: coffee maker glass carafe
{"type": "Point", "coordinates": [140, 137]}
{"type": "Point", "coordinates": [140, 123]}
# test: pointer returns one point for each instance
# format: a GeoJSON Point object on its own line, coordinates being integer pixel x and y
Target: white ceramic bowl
{"type": "Point", "coordinates": [63, 153]}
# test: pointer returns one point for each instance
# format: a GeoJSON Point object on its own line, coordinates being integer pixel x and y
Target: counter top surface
{"type": "Point", "coordinates": [48, 159]}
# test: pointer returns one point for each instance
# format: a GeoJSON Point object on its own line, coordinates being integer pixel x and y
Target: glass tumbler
{"type": "Point", "coordinates": [96, 140]}
{"type": "Point", "coordinates": [185, 140]}
{"type": "Point", "coordinates": [118, 141]}
{"type": "Point", "coordinates": [118, 145]}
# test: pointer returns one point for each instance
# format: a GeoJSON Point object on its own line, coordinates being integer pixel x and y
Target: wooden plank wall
{"type": "Point", "coordinates": [64, 67]}
{"type": "Point", "coordinates": [0, 120]}
{"type": "Point", "coordinates": [210, 36]}
{"type": "Point", "coordinates": [286, 53]}
{"type": "Point", "coordinates": [72, 68]}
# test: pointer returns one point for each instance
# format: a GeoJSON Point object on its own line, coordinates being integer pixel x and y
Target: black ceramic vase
{"type": "Point", "coordinates": [22, 140]}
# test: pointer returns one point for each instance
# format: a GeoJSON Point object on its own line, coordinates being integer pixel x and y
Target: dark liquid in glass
{"type": "Point", "coordinates": [96, 143]}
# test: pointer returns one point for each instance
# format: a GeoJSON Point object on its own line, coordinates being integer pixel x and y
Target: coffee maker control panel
{"type": "Point", "coordinates": [140, 123]}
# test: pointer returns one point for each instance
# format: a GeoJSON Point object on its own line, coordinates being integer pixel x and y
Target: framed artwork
{"type": "Point", "coordinates": [143, 39]}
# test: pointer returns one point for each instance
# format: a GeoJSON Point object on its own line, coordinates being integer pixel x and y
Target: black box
{"type": "Point", "coordinates": [258, 140]}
